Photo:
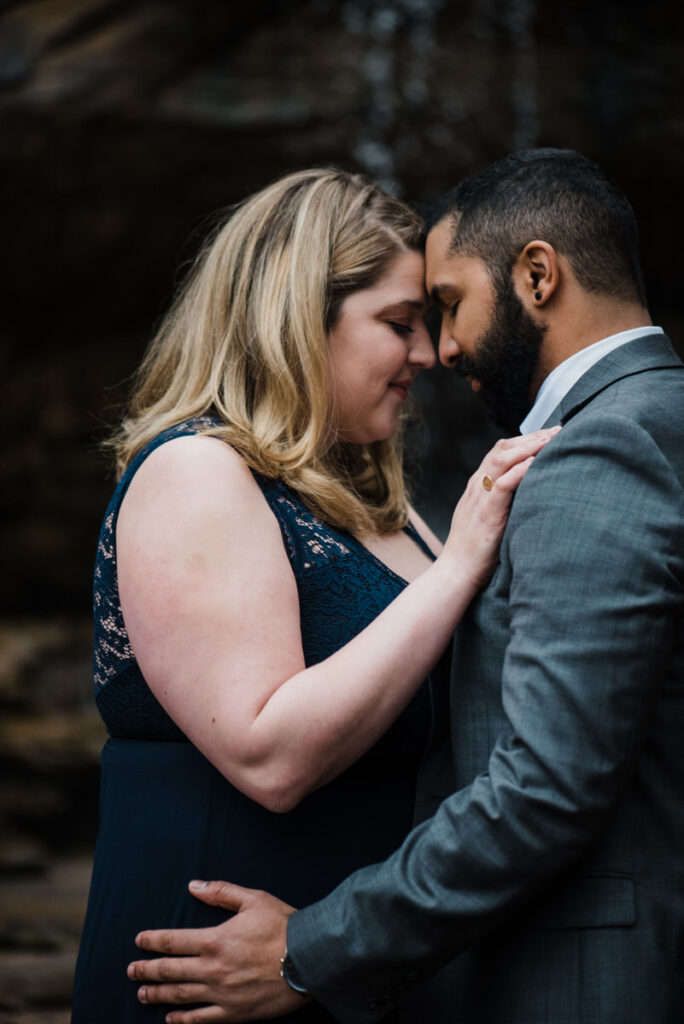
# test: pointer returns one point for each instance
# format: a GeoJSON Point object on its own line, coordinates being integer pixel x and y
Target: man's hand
{"type": "Point", "coordinates": [235, 966]}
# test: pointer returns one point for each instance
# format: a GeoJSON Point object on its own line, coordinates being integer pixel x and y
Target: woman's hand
{"type": "Point", "coordinates": [480, 516]}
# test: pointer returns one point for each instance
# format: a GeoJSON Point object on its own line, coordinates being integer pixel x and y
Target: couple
{"type": "Point", "coordinates": [545, 882]}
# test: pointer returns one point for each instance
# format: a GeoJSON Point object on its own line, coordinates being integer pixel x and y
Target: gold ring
{"type": "Point", "coordinates": [487, 482]}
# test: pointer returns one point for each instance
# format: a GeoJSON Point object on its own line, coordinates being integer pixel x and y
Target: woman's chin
{"type": "Point", "coordinates": [369, 436]}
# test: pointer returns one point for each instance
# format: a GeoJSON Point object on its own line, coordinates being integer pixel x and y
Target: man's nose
{"type": "Point", "coordinates": [449, 350]}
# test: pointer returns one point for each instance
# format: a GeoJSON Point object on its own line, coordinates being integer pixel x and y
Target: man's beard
{"type": "Point", "coordinates": [506, 358]}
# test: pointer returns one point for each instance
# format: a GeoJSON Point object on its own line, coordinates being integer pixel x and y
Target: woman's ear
{"type": "Point", "coordinates": [536, 274]}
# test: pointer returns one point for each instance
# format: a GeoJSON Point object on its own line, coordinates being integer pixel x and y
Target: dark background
{"type": "Point", "coordinates": [123, 127]}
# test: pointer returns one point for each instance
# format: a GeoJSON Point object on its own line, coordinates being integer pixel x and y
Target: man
{"type": "Point", "coordinates": [549, 866]}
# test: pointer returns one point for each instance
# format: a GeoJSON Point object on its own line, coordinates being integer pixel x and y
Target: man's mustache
{"type": "Point", "coordinates": [466, 367]}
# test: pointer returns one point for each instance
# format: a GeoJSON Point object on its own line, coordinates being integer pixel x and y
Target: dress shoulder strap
{"type": "Point", "coordinates": [422, 544]}
{"type": "Point", "coordinates": [309, 542]}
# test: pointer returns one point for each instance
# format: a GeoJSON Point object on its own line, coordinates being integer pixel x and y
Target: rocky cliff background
{"type": "Point", "coordinates": [123, 127]}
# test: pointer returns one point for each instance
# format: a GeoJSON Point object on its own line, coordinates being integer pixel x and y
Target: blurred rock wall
{"type": "Point", "coordinates": [126, 125]}
{"type": "Point", "coordinates": [123, 127]}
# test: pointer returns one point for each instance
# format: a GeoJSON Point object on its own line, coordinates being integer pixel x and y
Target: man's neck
{"type": "Point", "coordinates": [597, 320]}
{"type": "Point", "coordinates": [567, 373]}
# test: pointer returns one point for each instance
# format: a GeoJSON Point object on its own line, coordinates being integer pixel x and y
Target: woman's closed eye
{"type": "Point", "coordinates": [400, 329]}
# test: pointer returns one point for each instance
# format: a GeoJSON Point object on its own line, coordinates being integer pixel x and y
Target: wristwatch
{"type": "Point", "coordinates": [288, 971]}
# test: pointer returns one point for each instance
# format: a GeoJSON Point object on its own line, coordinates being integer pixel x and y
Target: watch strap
{"type": "Point", "coordinates": [289, 972]}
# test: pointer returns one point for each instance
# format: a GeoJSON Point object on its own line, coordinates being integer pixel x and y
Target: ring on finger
{"type": "Point", "coordinates": [487, 482]}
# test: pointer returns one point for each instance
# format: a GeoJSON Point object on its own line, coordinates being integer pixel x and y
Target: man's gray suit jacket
{"type": "Point", "coordinates": [550, 868]}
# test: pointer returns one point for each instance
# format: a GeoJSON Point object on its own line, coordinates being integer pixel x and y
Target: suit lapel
{"type": "Point", "coordinates": [653, 352]}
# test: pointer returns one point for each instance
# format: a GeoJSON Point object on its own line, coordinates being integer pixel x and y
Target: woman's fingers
{"type": "Point", "coordinates": [509, 480]}
{"type": "Point", "coordinates": [506, 464]}
{"type": "Point", "coordinates": [511, 450]}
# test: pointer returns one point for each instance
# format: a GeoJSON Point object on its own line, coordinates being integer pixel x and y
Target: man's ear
{"type": "Point", "coordinates": [536, 274]}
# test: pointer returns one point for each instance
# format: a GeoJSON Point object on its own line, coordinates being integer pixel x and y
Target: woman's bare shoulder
{"type": "Point", "coordinates": [190, 473]}
{"type": "Point", "coordinates": [195, 455]}
{"type": "Point", "coordinates": [193, 496]}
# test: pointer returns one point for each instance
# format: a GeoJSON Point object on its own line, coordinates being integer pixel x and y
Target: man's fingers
{"type": "Point", "coordinates": [178, 969]}
{"type": "Point", "coordinates": [186, 992]}
{"type": "Point", "coordinates": [175, 941]}
{"type": "Point", "coordinates": [205, 1015]}
{"type": "Point", "coordinates": [192, 941]}
{"type": "Point", "coordinates": [220, 894]}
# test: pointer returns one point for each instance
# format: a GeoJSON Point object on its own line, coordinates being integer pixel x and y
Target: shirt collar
{"type": "Point", "coordinates": [567, 373]}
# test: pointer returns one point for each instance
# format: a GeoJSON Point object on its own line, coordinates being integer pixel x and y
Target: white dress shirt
{"type": "Point", "coordinates": [567, 373]}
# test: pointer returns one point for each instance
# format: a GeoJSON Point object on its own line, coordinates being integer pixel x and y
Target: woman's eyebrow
{"type": "Point", "coordinates": [414, 303]}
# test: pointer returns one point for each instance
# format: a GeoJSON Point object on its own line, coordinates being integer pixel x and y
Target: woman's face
{"type": "Point", "coordinates": [378, 345]}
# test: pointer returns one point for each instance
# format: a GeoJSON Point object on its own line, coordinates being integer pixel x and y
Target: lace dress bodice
{"type": "Point", "coordinates": [341, 585]}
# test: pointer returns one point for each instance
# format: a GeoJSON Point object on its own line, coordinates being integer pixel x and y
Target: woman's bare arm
{"type": "Point", "coordinates": [211, 608]}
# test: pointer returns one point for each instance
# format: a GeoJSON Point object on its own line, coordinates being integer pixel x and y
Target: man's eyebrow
{"type": "Point", "coordinates": [438, 293]}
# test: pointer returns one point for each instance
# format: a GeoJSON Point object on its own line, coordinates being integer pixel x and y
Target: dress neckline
{"type": "Point", "coordinates": [411, 532]}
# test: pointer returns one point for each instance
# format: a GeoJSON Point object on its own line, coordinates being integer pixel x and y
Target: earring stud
{"type": "Point", "coordinates": [538, 296]}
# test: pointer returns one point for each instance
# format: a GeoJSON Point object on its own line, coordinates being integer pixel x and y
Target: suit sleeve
{"type": "Point", "coordinates": [595, 547]}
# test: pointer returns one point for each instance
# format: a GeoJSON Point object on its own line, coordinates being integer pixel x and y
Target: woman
{"type": "Point", "coordinates": [267, 605]}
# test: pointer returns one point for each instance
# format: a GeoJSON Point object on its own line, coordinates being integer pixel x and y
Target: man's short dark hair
{"type": "Point", "coordinates": [557, 196]}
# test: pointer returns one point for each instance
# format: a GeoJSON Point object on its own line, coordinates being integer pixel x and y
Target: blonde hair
{"type": "Point", "coordinates": [246, 341]}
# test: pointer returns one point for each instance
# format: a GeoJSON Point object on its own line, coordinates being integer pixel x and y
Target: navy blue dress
{"type": "Point", "coordinates": [167, 815]}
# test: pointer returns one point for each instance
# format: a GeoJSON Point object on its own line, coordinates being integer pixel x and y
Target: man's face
{"type": "Point", "coordinates": [486, 334]}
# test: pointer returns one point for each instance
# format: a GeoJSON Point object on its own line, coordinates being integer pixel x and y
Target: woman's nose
{"type": "Point", "coordinates": [422, 351]}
